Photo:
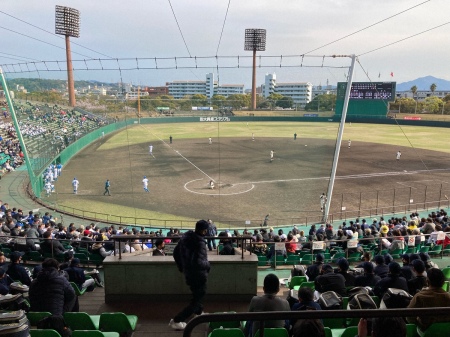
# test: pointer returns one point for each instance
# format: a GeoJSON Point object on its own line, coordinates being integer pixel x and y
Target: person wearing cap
{"type": "Point", "coordinates": [51, 291]}
{"type": "Point", "coordinates": [392, 280]}
{"type": "Point", "coordinates": [212, 231]}
{"type": "Point", "coordinates": [77, 276]}
{"type": "Point", "coordinates": [191, 258]}
{"type": "Point", "coordinates": [314, 270]}
{"type": "Point", "coordinates": [145, 184]}
{"type": "Point", "coordinates": [75, 184]}
{"type": "Point", "coordinates": [369, 279]}
{"type": "Point", "coordinates": [433, 296]}
{"type": "Point", "coordinates": [407, 272]}
{"type": "Point", "coordinates": [343, 267]}
{"type": "Point", "coordinates": [329, 281]}
{"type": "Point", "coordinates": [16, 271]}
{"type": "Point", "coordinates": [427, 260]}
{"type": "Point", "coordinates": [381, 269]}
{"type": "Point", "coordinates": [420, 280]}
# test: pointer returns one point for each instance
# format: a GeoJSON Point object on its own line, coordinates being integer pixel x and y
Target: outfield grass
{"type": "Point", "coordinates": [430, 138]}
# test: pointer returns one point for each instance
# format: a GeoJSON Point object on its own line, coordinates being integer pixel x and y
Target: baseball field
{"type": "Point", "coordinates": [248, 185]}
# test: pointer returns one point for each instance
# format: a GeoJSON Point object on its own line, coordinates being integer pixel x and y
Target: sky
{"type": "Point", "coordinates": [147, 29]}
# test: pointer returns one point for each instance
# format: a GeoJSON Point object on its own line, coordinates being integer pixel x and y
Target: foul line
{"type": "Point", "coordinates": [178, 153]}
{"type": "Point", "coordinates": [353, 176]}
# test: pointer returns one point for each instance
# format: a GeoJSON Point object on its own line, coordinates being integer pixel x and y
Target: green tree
{"type": "Point", "coordinates": [325, 102]}
{"type": "Point", "coordinates": [432, 104]}
{"type": "Point", "coordinates": [199, 100]}
{"type": "Point", "coordinates": [239, 101]}
{"type": "Point", "coordinates": [433, 88]}
{"type": "Point", "coordinates": [285, 102]}
{"type": "Point", "coordinates": [218, 101]}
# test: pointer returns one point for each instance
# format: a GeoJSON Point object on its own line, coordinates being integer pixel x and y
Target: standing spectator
{"type": "Point", "coordinates": [433, 296]}
{"type": "Point", "coordinates": [191, 258]}
{"type": "Point", "coordinates": [268, 302]}
{"type": "Point", "coordinates": [75, 184]}
{"type": "Point", "coordinates": [212, 231]}
{"type": "Point", "coordinates": [52, 286]}
{"type": "Point", "coordinates": [107, 185]}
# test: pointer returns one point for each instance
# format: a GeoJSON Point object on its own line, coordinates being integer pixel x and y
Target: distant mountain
{"type": "Point", "coordinates": [423, 83]}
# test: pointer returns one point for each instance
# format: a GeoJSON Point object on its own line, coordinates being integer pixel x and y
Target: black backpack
{"type": "Point", "coordinates": [395, 298]}
{"type": "Point", "coordinates": [329, 300]}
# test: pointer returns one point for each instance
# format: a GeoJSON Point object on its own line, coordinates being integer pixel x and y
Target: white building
{"type": "Point", "coordinates": [300, 92]}
{"type": "Point", "coordinates": [209, 88]}
{"type": "Point", "coordinates": [422, 94]}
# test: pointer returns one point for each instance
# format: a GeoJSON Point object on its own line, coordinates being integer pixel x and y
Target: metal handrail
{"type": "Point", "coordinates": [310, 314]}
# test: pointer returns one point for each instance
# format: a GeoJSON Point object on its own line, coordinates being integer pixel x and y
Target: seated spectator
{"type": "Point", "coordinates": [52, 286]}
{"type": "Point", "coordinates": [158, 250]}
{"type": "Point", "coordinates": [383, 327]}
{"type": "Point", "coordinates": [369, 279]}
{"type": "Point", "coordinates": [291, 244]}
{"type": "Point", "coordinates": [420, 280]}
{"type": "Point", "coordinates": [278, 252]}
{"type": "Point", "coordinates": [433, 296]}
{"type": "Point", "coordinates": [228, 248]}
{"type": "Point", "coordinates": [329, 281]}
{"type": "Point", "coordinates": [309, 327]}
{"type": "Point", "coordinates": [427, 260]}
{"type": "Point", "coordinates": [392, 280]}
{"type": "Point", "coordinates": [381, 269]}
{"type": "Point", "coordinates": [50, 246]}
{"type": "Point", "coordinates": [97, 247]}
{"type": "Point", "coordinates": [3, 264]}
{"type": "Point", "coordinates": [77, 276]}
{"type": "Point", "coordinates": [305, 302]}
{"type": "Point", "coordinates": [343, 267]}
{"type": "Point", "coordinates": [314, 270]}
{"type": "Point", "coordinates": [16, 271]}
{"type": "Point", "coordinates": [406, 268]}
{"type": "Point", "coordinates": [268, 302]}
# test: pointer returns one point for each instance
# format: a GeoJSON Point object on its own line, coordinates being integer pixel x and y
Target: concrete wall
{"type": "Point", "coordinates": [144, 277]}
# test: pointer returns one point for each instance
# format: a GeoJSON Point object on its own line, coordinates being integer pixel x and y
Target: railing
{"type": "Point", "coordinates": [261, 317]}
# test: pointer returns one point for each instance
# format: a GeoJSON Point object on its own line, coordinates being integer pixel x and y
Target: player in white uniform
{"type": "Point", "coordinates": [349, 143]}
{"type": "Point", "coordinates": [48, 188]}
{"type": "Point", "coordinates": [210, 140]}
{"type": "Point", "coordinates": [211, 184]}
{"type": "Point", "coordinates": [145, 184]}
{"type": "Point", "coordinates": [271, 155]}
{"type": "Point", "coordinates": [150, 148]}
{"type": "Point", "coordinates": [399, 154]}
{"type": "Point", "coordinates": [75, 184]}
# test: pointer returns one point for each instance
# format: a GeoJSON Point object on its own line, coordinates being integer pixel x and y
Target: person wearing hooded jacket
{"type": "Point", "coordinates": [191, 258]}
{"type": "Point", "coordinates": [51, 291]}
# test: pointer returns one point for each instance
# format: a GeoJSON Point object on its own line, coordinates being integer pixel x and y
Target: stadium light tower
{"type": "Point", "coordinates": [255, 40]}
{"type": "Point", "coordinates": [67, 23]}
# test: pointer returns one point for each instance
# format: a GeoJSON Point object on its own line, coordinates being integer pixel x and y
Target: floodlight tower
{"type": "Point", "coordinates": [255, 40]}
{"type": "Point", "coordinates": [67, 23]}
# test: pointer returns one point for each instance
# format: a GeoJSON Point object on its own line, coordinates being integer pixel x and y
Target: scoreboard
{"type": "Point", "coordinates": [368, 91]}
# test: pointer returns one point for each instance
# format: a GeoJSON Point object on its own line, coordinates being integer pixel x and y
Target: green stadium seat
{"type": "Point", "coordinates": [436, 251]}
{"type": "Point", "coordinates": [44, 333]}
{"type": "Point", "coordinates": [296, 281]}
{"type": "Point", "coordinates": [82, 321]}
{"type": "Point", "coordinates": [274, 332]}
{"type": "Point", "coordinates": [93, 333]}
{"type": "Point", "coordinates": [78, 291]}
{"type": "Point", "coordinates": [35, 316]}
{"type": "Point", "coordinates": [231, 332]}
{"type": "Point", "coordinates": [118, 322]}
{"type": "Point", "coordinates": [435, 330]}
{"type": "Point", "coordinates": [224, 324]}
